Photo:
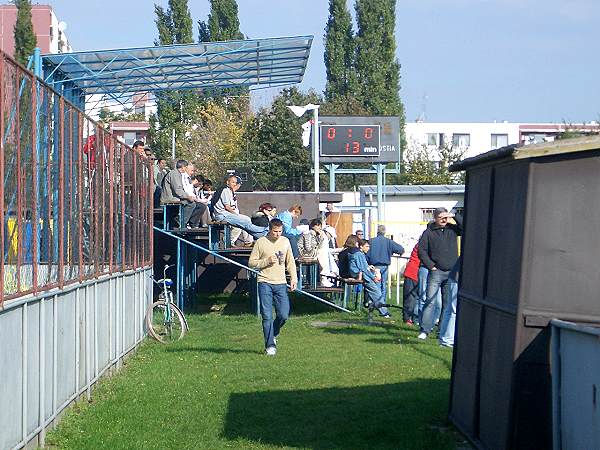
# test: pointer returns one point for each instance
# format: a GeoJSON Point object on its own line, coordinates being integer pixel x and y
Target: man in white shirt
{"type": "Point", "coordinates": [226, 209]}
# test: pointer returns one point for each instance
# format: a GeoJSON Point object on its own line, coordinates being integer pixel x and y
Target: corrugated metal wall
{"type": "Point", "coordinates": [53, 348]}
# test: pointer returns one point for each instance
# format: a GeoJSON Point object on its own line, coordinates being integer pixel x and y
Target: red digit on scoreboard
{"type": "Point", "coordinates": [368, 133]}
{"type": "Point", "coordinates": [331, 133]}
{"type": "Point", "coordinates": [355, 147]}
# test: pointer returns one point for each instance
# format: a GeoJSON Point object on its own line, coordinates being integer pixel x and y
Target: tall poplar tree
{"type": "Point", "coordinates": [25, 40]}
{"type": "Point", "coordinates": [223, 22]}
{"type": "Point", "coordinates": [377, 67]}
{"type": "Point", "coordinates": [176, 110]}
{"type": "Point", "coordinates": [339, 52]}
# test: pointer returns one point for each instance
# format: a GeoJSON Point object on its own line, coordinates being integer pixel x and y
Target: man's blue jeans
{"type": "Point", "coordinates": [436, 280]}
{"type": "Point", "coordinates": [423, 274]}
{"type": "Point", "coordinates": [242, 222]}
{"type": "Point", "coordinates": [273, 295]}
{"type": "Point", "coordinates": [294, 244]}
{"type": "Point", "coordinates": [383, 283]}
{"type": "Point", "coordinates": [374, 293]}
{"type": "Point", "coordinates": [448, 320]}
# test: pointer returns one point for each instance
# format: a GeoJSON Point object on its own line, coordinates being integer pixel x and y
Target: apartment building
{"type": "Point", "coordinates": [48, 29]}
{"type": "Point", "coordinates": [476, 138]}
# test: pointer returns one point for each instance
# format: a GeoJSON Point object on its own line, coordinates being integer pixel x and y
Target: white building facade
{"type": "Point", "coordinates": [476, 138]}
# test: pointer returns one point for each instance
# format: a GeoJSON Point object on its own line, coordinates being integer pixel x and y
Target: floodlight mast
{"type": "Point", "coordinates": [299, 112]}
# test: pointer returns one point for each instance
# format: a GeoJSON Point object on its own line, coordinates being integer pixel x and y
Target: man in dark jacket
{"type": "Point", "coordinates": [438, 251]}
{"type": "Point", "coordinates": [380, 255]}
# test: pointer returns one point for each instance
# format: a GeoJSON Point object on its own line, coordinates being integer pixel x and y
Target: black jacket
{"type": "Point", "coordinates": [344, 261]}
{"type": "Point", "coordinates": [438, 246]}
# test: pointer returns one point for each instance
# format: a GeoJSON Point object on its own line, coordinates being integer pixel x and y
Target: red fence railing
{"type": "Point", "coordinates": [76, 202]}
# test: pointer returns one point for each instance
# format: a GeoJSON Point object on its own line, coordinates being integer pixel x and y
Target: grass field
{"type": "Point", "coordinates": [331, 386]}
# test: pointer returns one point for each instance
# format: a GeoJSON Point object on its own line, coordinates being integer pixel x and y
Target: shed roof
{"type": "Point", "coordinates": [207, 65]}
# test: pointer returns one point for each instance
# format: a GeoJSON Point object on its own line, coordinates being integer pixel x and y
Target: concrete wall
{"type": "Point", "coordinates": [55, 346]}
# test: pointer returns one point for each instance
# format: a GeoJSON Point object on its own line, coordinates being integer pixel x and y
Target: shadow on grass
{"type": "Point", "coordinates": [236, 304]}
{"type": "Point", "coordinates": [423, 349]}
{"type": "Point", "coordinates": [394, 416]}
{"type": "Point", "coordinates": [196, 349]}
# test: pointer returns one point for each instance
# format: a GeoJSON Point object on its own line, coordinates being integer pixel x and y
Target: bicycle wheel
{"type": "Point", "coordinates": [165, 322]}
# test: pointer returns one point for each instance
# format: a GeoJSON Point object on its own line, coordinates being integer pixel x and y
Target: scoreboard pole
{"type": "Point", "coordinates": [380, 169]}
{"type": "Point", "coordinates": [316, 145]}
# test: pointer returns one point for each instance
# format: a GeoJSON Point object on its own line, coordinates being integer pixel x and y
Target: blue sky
{"type": "Point", "coordinates": [462, 60]}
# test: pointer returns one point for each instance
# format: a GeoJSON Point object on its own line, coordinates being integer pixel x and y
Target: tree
{"type": "Point", "coordinates": [216, 140]}
{"type": "Point", "coordinates": [176, 110]}
{"type": "Point", "coordinates": [424, 167]}
{"type": "Point", "coordinates": [377, 68]}
{"type": "Point", "coordinates": [25, 40]}
{"type": "Point", "coordinates": [106, 116]}
{"type": "Point", "coordinates": [339, 53]}
{"type": "Point", "coordinates": [223, 22]}
{"type": "Point", "coordinates": [275, 150]}
{"type": "Point", "coordinates": [224, 25]}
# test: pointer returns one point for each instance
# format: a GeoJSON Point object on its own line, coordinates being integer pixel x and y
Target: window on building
{"type": "Point", "coordinates": [461, 140]}
{"type": "Point", "coordinates": [432, 139]}
{"type": "Point", "coordinates": [427, 214]}
{"type": "Point", "coordinates": [499, 140]}
{"type": "Point", "coordinates": [140, 109]}
{"type": "Point", "coordinates": [129, 137]}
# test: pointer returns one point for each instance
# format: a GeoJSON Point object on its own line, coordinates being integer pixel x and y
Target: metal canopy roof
{"type": "Point", "coordinates": [208, 65]}
{"type": "Point", "coordinates": [417, 189]}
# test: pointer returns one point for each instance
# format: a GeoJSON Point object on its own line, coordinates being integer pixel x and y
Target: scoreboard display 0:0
{"type": "Point", "coordinates": [350, 140]}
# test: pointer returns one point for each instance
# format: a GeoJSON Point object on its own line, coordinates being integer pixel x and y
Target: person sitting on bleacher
{"type": "Point", "coordinates": [201, 197]}
{"type": "Point", "coordinates": [315, 245]}
{"type": "Point", "coordinates": [225, 209]}
{"type": "Point", "coordinates": [266, 212]}
{"type": "Point", "coordinates": [350, 247]}
{"type": "Point", "coordinates": [358, 265]}
{"type": "Point", "coordinates": [311, 243]}
{"type": "Point", "coordinates": [173, 191]}
{"type": "Point", "coordinates": [293, 234]}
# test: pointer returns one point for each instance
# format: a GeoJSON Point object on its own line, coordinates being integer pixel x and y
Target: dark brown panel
{"type": "Point", "coordinates": [510, 195]}
{"type": "Point", "coordinates": [475, 239]}
{"type": "Point", "coordinates": [464, 409]}
{"type": "Point", "coordinates": [562, 257]}
{"type": "Point", "coordinates": [496, 379]}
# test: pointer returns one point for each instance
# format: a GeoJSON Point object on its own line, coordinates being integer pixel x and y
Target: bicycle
{"type": "Point", "coordinates": [164, 320]}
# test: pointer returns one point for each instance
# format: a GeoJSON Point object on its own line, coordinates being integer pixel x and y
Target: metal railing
{"type": "Point", "coordinates": [75, 202]}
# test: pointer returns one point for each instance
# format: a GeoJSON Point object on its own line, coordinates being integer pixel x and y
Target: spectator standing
{"type": "Point", "coordinates": [138, 147]}
{"type": "Point", "coordinates": [293, 234]}
{"type": "Point", "coordinates": [380, 255]}
{"type": "Point", "coordinates": [438, 252]}
{"type": "Point", "coordinates": [272, 255]}
{"type": "Point", "coordinates": [358, 264]}
{"type": "Point", "coordinates": [160, 170]}
{"type": "Point", "coordinates": [448, 320]}
{"type": "Point", "coordinates": [410, 291]}
{"type": "Point", "coordinates": [225, 208]}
